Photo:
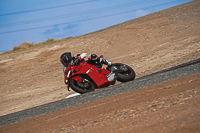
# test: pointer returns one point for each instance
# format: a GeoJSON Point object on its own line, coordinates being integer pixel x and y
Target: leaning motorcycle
{"type": "Point", "coordinates": [84, 77]}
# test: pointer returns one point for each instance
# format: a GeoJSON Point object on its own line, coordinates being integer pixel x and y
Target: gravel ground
{"type": "Point", "coordinates": [159, 77]}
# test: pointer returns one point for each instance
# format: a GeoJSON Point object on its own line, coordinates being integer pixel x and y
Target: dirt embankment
{"type": "Point", "coordinates": [171, 107]}
{"type": "Point", "coordinates": [157, 41]}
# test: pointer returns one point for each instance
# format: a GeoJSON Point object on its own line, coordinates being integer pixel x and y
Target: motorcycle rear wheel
{"type": "Point", "coordinates": [125, 76]}
{"type": "Point", "coordinates": [81, 87]}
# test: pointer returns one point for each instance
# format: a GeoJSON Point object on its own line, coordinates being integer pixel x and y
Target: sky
{"type": "Point", "coordinates": [36, 21]}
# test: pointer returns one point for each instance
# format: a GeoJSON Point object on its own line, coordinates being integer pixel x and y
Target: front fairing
{"type": "Point", "coordinates": [66, 71]}
{"type": "Point", "coordinates": [64, 68]}
{"type": "Point", "coordinates": [98, 75]}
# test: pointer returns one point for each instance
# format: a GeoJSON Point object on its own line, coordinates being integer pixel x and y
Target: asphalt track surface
{"type": "Point", "coordinates": [183, 70]}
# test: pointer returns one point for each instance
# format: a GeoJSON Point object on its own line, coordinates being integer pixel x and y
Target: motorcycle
{"type": "Point", "coordinates": [85, 77]}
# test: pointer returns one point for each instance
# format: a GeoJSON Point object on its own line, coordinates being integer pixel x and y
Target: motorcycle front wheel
{"type": "Point", "coordinates": [81, 87]}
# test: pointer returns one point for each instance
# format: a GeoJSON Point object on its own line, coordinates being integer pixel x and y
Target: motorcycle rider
{"type": "Point", "coordinates": [98, 61]}
{"type": "Point", "coordinates": [92, 59]}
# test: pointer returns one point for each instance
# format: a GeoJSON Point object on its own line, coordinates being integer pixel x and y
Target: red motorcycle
{"type": "Point", "coordinates": [84, 77]}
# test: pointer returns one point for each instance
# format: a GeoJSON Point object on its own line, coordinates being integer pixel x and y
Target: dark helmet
{"type": "Point", "coordinates": [66, 58]}
{"type": "Point", "coordinates": [92, 57]}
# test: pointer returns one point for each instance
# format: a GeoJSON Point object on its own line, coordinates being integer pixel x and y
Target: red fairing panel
{"type": "Point", "coordinates": [98, 75]}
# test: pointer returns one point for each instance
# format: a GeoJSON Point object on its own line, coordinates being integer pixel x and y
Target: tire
{"type": "Point", "coordinates": [125, 76]}
{"type": "Point", "coordinates": [81, 87]}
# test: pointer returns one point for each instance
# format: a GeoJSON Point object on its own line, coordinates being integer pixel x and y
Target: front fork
{"type": "Point", "coordinates": [77, 78]}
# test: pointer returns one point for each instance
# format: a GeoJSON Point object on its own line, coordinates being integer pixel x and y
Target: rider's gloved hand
{"type": "Point", "coordinates": [83, 55]}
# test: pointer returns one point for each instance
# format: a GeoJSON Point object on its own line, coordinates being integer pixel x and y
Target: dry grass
{"type": "Point", "coordinates": [27, 45]}
{"type": "Point", "coordinates": [24, 45]}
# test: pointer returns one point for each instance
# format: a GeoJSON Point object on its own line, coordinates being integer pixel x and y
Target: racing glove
{"type": "Point", "coordinates": [82, 56]}
{"type": "Point", "coordinates": [79, 58]}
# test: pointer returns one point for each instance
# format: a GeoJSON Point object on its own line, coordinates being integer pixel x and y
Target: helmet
{"type": "Point", "coordinates": [92, 57]}
{"type": "Point", "coordinates": [65, 58]}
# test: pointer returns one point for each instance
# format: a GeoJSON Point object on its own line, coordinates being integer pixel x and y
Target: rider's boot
{"type": "Point", "coordinates": [104, 61]}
